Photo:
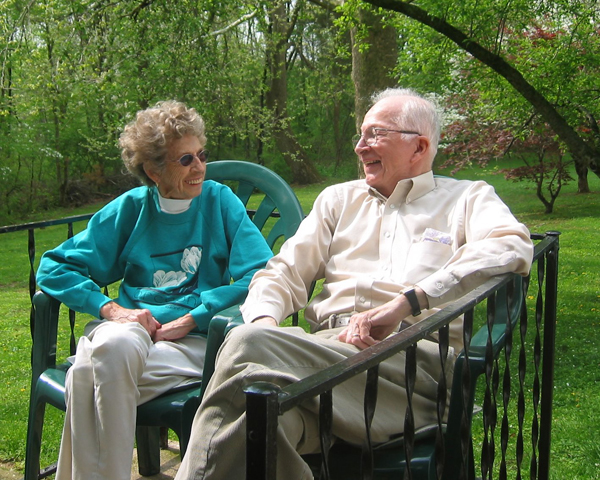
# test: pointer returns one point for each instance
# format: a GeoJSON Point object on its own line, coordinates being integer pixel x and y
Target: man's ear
{"type": "Point", "coordinates": [152, 173]}
{"type": "Point", "coordinates": [423, 145]}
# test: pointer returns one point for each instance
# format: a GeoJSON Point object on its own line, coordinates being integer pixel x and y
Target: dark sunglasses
{"type": "Point", "coordinates": [188, 158]}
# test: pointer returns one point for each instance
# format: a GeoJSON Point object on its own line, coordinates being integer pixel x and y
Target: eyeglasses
{"type": "Point", "coordinates": [370, 137]}
{"type": "Point", "coordinates": [187, 159]}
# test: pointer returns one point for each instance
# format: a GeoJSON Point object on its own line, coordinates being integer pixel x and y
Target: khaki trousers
{"type": "Point", "coordinates": [116, 368]}
{"type": "Point", "coordinates": [283, 356]}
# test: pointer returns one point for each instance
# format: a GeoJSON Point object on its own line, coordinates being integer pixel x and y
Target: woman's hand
{"type": "Point", "coordinates": [176, 329]}
{"type": "Point", "coordinates": [116, 313]}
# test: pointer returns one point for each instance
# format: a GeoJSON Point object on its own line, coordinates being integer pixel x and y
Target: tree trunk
{"type": "Point", "coordinates": [582, 180]}
{"type": "Point", "coordinates": [54, 93]}
{"type": "Point", "coordinates": [371, 69]}
{"type": "Point", "coordinates": [341, 121]}
{"type": "Point", "coordinates": [584, 154]}
{"type": "Point", "coordinates": [303, 169]}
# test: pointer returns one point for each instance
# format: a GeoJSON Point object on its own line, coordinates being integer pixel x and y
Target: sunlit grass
{"type": "Point", "coordinates": [575, 449]}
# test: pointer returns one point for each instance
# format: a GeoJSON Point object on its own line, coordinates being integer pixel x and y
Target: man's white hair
{"type": "Point", "coordinates": [420, 114]}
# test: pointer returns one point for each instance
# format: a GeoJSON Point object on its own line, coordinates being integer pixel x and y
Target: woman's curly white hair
{"type": "Point", "coordinates": [149, 136]}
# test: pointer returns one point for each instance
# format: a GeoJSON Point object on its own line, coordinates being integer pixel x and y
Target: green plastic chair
{"type": "Point", "coordinates": [176, 408]}
{"type": "Point", "coordinates": [389, 458]}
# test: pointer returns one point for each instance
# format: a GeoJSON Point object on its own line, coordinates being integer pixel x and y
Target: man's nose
{"type": "Point", "coordinates": [361, 145]}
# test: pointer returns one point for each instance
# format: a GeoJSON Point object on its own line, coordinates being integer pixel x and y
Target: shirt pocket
{"type": "Point", "coordinates": [425, 258]}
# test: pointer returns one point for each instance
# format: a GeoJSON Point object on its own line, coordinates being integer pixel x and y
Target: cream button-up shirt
{"type": "Point", "coordinates": [444, 235]}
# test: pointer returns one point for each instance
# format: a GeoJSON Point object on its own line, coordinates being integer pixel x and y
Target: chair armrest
{"type": "Point", "coordinates": [509, 303]}
{"type": "Point", "coordinates": [45, 328]}
{"type": "Point", "coordinates": [218, 328]}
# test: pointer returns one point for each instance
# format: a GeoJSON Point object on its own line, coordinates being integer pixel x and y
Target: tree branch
{"type": "Point", "coordinates": [240, 20]}
{"type": "Point", "coordinates": [578, 146]}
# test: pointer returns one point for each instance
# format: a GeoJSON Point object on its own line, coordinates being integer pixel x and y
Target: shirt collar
{"type": "Point", "coordinates": [173, 206]}
{"type": "Point", "coordinates": [410, 189]}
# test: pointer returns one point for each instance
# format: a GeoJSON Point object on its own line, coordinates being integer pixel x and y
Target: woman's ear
{"type": "Point", "coordinates": [152, 173]}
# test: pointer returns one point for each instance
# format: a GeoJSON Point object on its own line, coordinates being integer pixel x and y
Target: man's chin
{"type": "Point", "coordinates": [372, 179]}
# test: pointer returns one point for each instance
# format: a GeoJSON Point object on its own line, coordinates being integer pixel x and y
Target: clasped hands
{"type": "Point", "coordinates": [173, 330]}
{"type": "Point", "coordinates": [367, 328]}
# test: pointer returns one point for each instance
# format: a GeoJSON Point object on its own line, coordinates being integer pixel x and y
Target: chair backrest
{"type": "Point", "coordinates": [279, 197]}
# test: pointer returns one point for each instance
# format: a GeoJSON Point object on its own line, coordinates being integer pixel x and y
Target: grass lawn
{"type": "Point", "coordinates": [576, 450]}
{"type": "Point", "coordinates": [575, 447]}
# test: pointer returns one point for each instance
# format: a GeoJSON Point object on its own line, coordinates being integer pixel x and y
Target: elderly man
{"type": "Point", "coordinates": [392, 249]}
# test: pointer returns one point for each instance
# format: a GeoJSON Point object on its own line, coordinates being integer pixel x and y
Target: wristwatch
{"type": "Point", "coordinates": [411, 296]}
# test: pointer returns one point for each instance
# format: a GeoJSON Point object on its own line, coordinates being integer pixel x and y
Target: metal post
{"type": "Point", "coordinates": [548, 358]}
{"type": "Point", "coordinates": [32, 283]}
{"type": "Point", "coordinates": [261, 431]}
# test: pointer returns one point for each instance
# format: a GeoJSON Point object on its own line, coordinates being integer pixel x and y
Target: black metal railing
{"type": "Point", "coordinates": [31, 229]}
{"type": "Point", "coordinates": [503, 448]}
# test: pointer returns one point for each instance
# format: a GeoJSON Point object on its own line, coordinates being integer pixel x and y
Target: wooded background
{"type": "Point", "coordinates": [285, 84]}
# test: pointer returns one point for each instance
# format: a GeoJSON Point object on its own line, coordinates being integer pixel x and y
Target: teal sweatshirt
{"type": "Point", "coordinates": [200, 261]}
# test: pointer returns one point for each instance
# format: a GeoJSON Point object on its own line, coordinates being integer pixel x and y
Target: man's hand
{"type": "Point", "coordinates": [176, 329]}
{"type": "Point", "coordinates": [116, 313]}
{"type": "Point", "coordinates": [368, 328]}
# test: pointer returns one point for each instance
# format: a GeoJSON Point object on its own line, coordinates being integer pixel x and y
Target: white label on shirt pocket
{"type": "Point", "coordinates": [433, 235]}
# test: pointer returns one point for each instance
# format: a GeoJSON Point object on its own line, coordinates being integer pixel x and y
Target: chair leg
{"type": "Point", "coordinates": [34, 438]}
{"type": "Point", "coordinates": [471, 468]}
{"type": "Point", "coordinates": [148, 450]}
{"type": "Point", "coordinates": [164, 438]}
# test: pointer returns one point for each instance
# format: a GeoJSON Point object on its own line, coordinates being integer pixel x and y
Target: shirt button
{"type": "Point", "coordinates": [393, 206]}
{"type": "Point", "coordinates": [387, 235]}
{"type": "Point", "coordinates": [439, 285]}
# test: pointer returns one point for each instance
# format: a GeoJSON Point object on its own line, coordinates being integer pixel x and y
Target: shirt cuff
{"type": "Point", "coordinates": [252, 312]}
{"type": "Point", "coordinates": [95, 302]}
{"type": "Point", "coordinates": [436, 286]}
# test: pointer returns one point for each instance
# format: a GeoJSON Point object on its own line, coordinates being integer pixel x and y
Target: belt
{"type": "Point", "coordinates": [335, 320]}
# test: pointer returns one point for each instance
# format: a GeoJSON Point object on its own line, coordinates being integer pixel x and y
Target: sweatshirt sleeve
{"type": "Point", "coordinates": [75, 271]}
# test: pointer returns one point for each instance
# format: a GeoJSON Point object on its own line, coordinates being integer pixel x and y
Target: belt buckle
{"type": "Point", "coordinates": [339, 319]}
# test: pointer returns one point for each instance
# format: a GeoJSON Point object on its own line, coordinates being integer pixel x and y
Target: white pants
{"type": "Point", "coordinates": [283, 356]}
{"type": "Point", "coordinates": [116, 368]}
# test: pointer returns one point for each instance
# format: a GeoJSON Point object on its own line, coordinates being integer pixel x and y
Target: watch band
{"type": "Point", "coordinates": [413, 300]}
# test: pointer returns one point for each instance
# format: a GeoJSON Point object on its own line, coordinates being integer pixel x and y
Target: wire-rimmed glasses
{"type": "Point", "coordinates": [370, 136]}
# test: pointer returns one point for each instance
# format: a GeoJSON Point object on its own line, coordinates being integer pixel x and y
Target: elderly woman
{"type": "Point", "coordinates": [176, 243]}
